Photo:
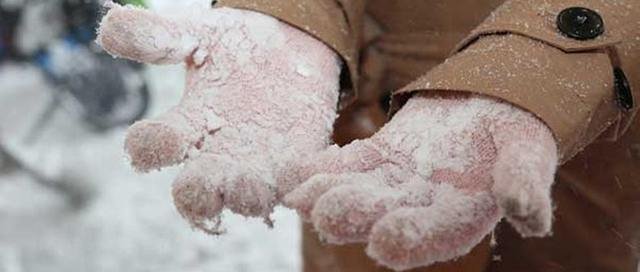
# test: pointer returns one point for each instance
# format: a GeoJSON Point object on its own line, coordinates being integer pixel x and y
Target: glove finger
{"type": "Point", "coordinates": [530, 215]}
{"type": "Point", "coordinates": [419, 236]}
{"type": "Point", "coordinates": [346, 213]}
{"type": "Point", "coordinates": [304, 198]}
{"type": "Point", "coordinates": [165, 140]}
{"type": "Point", "coordinates": [141, 35]}
{"type": "Point", "coordinates": [524, 172]}
{"type": "Point", "coordinates": [359, 156]}
{"type": "Point", "coordinates": [198, 193]}
{"type": "Point", "coordinates": [249, 193]}
{"type": "Point", "coordinates": [522, 188]}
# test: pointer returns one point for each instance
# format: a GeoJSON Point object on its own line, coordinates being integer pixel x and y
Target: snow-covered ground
{"type": "Point", "coordinates": [129, 222]}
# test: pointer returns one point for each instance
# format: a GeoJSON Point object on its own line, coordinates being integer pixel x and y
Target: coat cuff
{"type": "Point", "coordinates": [518, 55]}
{"type": "Point", "coordinates": [571, 93]}
{"type": "Point", "coordinates": [539, 22]}
{"type": "Point", "coordinates": [337, 23]}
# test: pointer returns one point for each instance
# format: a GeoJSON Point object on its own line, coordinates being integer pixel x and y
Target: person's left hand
{"type": "Point", "coordinates": [432, 183]}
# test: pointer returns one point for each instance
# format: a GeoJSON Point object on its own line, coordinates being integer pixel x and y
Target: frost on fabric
{"type": "Point", "coordinates": [258, 93]}
{"type": "Point", "coordinates": [432, 183]}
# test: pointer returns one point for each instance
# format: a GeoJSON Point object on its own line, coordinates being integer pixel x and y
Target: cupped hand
{"type": "Point", "coordinates": [432, 183]}
{"type": "Point", "coordinates": [258, 92]}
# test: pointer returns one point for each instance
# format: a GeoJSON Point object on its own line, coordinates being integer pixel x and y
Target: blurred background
{"type": "Point", "coordinates": [68, 199]}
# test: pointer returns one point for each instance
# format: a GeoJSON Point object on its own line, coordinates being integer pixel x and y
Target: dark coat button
{"type": "Point", "coordinates": [580, 23]}
{"type": "Point", "coordinates": [623, 90]}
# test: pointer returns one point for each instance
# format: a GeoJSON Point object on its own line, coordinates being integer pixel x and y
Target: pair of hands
{"type": "Point", "coordinates": [253, 130]}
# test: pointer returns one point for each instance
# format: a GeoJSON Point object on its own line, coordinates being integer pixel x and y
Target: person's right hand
{"type": "Point", "coordinates": [258, 93]}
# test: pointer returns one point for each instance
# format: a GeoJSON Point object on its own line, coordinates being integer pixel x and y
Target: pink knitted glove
{"type": "Point", "coordinates": [258, 92]}
{"type": "Point", "coordinates": [432, 183]}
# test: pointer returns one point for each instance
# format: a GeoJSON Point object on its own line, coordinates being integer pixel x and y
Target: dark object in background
{"type": "Point", "coordinates": [102, 91]}
{"type": "Point", "coordinates": [8, 21]}
{"type": "Point", "coordinates": [8, 163]}
{"type": "Point", "coordinates": [76, 193]}
{"type": "Point", "coordinates": [105, 92]}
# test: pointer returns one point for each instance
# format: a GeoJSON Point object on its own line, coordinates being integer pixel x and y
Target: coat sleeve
{"type": "Point", "coordinates": [577, 87]}
{"type": "Point", "coordinates": [337, 23]}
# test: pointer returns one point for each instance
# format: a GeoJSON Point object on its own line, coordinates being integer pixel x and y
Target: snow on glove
{"type": "Point", "coordinates": [258, 92]}
{"type": "Point", "coordinates": [432, 183]}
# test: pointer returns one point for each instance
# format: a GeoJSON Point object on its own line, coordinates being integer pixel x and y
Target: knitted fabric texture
{"type": "Point", "coordinates": [432, 183]}
{"type": "Point", "coordinates": [258, 93]}
{"type": "Point", "coordinates": [254, 124]}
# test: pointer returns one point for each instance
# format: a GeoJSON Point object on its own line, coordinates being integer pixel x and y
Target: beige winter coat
{"type": "Point", "coordinates": [568, 81]}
